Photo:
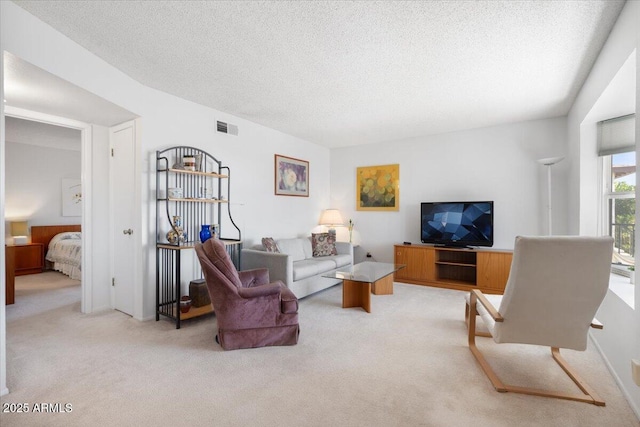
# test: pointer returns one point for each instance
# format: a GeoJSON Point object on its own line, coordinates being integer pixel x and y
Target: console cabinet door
{"type": "Point", "coordinates": [419, 263]}
{"type": "Point", "coordinates": [493, 270]}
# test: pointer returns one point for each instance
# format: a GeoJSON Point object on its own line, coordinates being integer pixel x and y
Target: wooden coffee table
{"type": "Point", "coordinates": [363, 279]}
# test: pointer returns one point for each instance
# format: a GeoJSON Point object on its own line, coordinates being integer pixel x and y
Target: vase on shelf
{"type": "Point", "coordinates": [176, 234]}
{"type": "Point", "coordinates": [189, 162]}
{"type": "Point", "coordinates": [185, 304]}
{"type": "Point", "coordinates": [205, 233]}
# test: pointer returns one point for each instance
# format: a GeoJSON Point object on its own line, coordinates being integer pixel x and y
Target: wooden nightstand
{"type": "Point", "coordinates": [21, 260]}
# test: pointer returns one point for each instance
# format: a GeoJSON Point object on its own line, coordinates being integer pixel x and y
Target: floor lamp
{"type": "Point", "coordinates": [548, 162]}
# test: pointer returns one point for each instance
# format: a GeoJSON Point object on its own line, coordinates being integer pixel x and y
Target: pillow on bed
{"type": "Point", "coordinates": [66, 235]}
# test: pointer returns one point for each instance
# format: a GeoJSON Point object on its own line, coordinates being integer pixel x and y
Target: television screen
{"type": "Point", "coordinates": [457, 223]}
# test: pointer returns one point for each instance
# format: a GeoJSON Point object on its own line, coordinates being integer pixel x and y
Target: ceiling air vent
{"type": "Point", "coordinates": [227, 128]}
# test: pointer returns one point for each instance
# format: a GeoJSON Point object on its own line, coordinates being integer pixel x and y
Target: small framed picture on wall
{"type": "Point", "coordinates": [291, 176]}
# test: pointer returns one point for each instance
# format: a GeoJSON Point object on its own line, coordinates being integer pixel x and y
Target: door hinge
{"type": "Point", "coordinates": [113, 281]}
{"type": "Point", "coordinates": [112, 152]}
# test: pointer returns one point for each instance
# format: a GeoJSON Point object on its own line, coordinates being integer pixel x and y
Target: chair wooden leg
{"type": "Point", "coordinates": [589, 395]}
{"type": "Point", "coordinates": [495, 381]}
{"type": "Point", "coordinates": [586, 389]}
{"type": "Point", "coordinates": [466, 314]}
{"type": "Point", "coordinates": [466, 321]}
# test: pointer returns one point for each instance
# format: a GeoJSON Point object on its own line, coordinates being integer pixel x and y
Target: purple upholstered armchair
{"type": "Point", "coordinates": [251, 312]}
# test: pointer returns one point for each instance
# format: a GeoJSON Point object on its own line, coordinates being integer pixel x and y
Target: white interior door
{"type": "Point", "coordinates": [123, 232]}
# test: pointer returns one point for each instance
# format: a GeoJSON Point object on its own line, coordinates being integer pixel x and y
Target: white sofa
{"type": "Point", "coordinates": [296, 266]}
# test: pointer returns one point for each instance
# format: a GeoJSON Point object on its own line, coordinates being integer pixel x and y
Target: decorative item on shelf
{"type": "Point", "coordinates": [176, 234]}
{"type": "Point", "coordinates": [205, 233]}
{"type": "Point", "coordinates": [351, 224]}
{"type": "Point", "coordinates": [215, 231]}
{"type": "Point", "coordinates": [175, 193]}
{"type": "Point", "coordinates": [199, 293]}
{"type": "Point", "coordinates": [189, 162]}
{"type": "Point", "coordinates": [178, 165]}
{"type": "Point", "coordinates": [185, 304]}
{"type": "Point", "coordinates": [198, 162]}
{"type": "Point", "coordinates": [205, 193]}
{"type": "Point", "coordinates": [331, 218]}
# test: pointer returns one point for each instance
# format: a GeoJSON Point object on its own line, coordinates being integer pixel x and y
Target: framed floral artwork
{"type": "Point", "coordinates": [291, 176]}
{"type": "Point", "coordinates": [378, 188]}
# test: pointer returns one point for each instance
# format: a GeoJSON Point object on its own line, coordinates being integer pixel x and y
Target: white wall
{"type": "Point", "coordinates": [620, 338]}
{"type": "Point", "coordinates": [33, 182]}
{"type": "Point", "coordinates": [496, 163]}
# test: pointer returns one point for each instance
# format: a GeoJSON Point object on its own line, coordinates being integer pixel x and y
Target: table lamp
{"type": "Point", "coordinates": [331, 218]}
{"type": "Point", "coordinates": [19, 231]}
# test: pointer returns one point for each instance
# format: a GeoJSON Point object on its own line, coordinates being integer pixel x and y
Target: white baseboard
{"type": "Point", "coordinates": [621, 385]}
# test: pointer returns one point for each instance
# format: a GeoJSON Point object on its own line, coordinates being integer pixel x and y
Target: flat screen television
{"type": "Point", "coordinates": [457, 223]}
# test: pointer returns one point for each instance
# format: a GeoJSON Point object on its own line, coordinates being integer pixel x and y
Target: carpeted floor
{"type": "Point", "coordinates": [39, 293]}
{"type": "Point", "coordinates": [405, 364]}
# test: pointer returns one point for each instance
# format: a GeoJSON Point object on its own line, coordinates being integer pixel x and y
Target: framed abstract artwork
{"type": "Point", "coordinates": [291, 176]}
{"type": "Point", "coordinates": [378, 188]}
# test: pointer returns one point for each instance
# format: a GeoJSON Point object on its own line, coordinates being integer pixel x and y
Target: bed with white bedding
{"type": "Point", "coordinates": [65, 254]}
{"type": "Point", "coordinates": [46, 233]}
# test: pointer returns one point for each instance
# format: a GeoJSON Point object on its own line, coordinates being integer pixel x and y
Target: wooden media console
{"type": "Point", "coordinates": [453, 268]}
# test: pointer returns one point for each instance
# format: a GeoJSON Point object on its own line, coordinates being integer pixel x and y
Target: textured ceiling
{"type": "Point", "coordinates": [346, 73]}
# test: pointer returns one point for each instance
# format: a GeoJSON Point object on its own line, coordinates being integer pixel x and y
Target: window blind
{"type": "Point", "coordinates": [617, 135]}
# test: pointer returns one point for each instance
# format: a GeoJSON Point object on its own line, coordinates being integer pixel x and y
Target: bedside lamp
{"type": "Point", "coordinates": [331, 218]}
{"type": "Point", "coordinates": [19, 231]}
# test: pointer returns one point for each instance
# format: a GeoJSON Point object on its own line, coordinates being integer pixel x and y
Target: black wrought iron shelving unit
{"type": "Point", "coordinates": [201, 202]}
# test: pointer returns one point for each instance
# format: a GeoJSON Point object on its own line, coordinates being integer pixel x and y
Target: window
{"type": "Point", "coordinates": [620, 206]}
{"type": "Point", "coordinates": [616, 148]}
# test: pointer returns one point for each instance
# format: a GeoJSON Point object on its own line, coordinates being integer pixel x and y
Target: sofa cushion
{"type": "Point", "coordinates": [340, 260]}
{"type": "Point", "coordinates": [292, 247]}
{"type": "Point", "coordinates": [306, 245]}
{"type": "Point", "coordinates": [311, 267]}
{"type": "Point", "coordinates": [323, 244]}
{"type": "Point", "coordinates": [270, 244]}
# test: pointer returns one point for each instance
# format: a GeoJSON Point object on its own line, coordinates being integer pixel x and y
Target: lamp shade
{"type": "Point", "coordinates": [331, 217]}
{"type": "Point", "coordinates": [19, 228]}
